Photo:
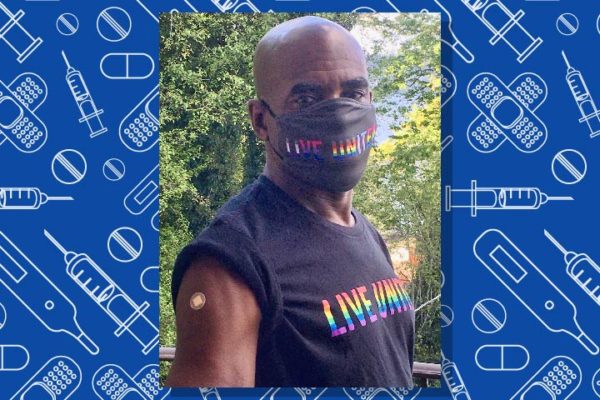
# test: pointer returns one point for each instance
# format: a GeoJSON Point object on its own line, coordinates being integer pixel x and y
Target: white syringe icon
{"type": "Point", "coordinates": [90, 114]}
{"type": "Point", "coordinates": [581, 268]}
{"type": "Point", "coordinates": [497, 198]}
{"type": "Point", "coordinates": [454, 380]}
{"type": "Point", "coordinates": [128, 316]}
{"type": "Point", "coordinates": [587, 108]}
{"type": "Point", "coordinates": [25, 198]}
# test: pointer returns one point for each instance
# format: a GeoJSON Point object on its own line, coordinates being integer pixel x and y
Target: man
{"type": "Point", "coordinates": [289, 285]}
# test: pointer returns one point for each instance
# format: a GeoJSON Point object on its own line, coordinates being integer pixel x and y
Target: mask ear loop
{"type": "Point", "coordinates": [266, 105]}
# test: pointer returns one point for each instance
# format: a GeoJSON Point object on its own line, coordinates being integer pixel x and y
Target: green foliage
{"type": "Point", "coordinates": [413, 69]}
{"type": "Point", "coordinates": [400, 191]}
{"type": "Point", "coordinates": [406, 172]}
{"type": "Point", "coordinates": [208, 151]}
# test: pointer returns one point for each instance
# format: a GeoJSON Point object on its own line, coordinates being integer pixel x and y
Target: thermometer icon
{"type": "Point", "coordinates": [39, 295]}
{"type": "Point", "coordinates": [530, 286]}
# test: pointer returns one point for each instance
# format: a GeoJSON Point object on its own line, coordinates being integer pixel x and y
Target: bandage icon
{"type": "Point", "coordinates": [155, 8]}
{"type": "Point", "coordinates": [210, 393]}
{"type": "Point", "coordinates": [58, 379]}
{"type": "Point", "coordinates": [18, 103]}
{"type": "Point", "coordinates": [111, 382]}
{"type": "Point", "coordinates": [448, 85]}
{"type": "Point", "coordinates": [507, 112]}
{"type": "Point", "coordinates": [139, 129]}
{"type": "Point", "coordinates": [558, 379]}
{"type": "Point", "coordinates": [374, 393]}
{"type": "Point", "coordinates": [288, 393]}
{"type": "Point", "coordinates": [235, 6]}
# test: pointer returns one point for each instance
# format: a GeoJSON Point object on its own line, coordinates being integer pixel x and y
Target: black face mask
{"type": "Point", "coordinates": [327, 144]}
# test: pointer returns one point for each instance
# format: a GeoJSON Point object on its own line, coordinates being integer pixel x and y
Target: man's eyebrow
{"type": "Point", "coordinates": [304, 87]}
{"type": "Point", "coordinates": [358, 83]}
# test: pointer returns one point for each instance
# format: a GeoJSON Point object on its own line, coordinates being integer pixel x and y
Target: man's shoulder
{"type": "Point", "coordinates": [245, 212]}
{"type": "Point", "coordinates": [244, 201]}
{"type": "Point", "coordinates": [370, 228]}
{"type": "Point", "coordinates": [366, 221]}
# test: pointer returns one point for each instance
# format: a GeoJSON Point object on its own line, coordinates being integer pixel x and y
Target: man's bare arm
{"type": "Point", "coordinates": [216, 344]}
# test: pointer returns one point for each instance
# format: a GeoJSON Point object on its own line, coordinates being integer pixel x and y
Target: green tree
{"type": "Point", "coordinates": [400, 191]}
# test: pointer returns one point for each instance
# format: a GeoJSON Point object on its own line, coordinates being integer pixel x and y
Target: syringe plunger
{"type": "Point", "coordinates": [16, 36]}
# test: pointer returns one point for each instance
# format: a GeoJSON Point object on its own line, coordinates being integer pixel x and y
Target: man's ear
{"type": "Point", "coordinates": [256, 112]}
{"type": "Point", "coordinates": [370, 96]}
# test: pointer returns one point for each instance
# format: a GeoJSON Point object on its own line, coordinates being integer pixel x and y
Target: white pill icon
{"type": "Point", "coordinates": [363, 9]}
{"type": "Point", "coordinates": [113, 24]}
{"type": "Point", "coordinates": [596, 383]}
{"type": "Point", "coordinates": [126, 66]}
{"type": "Point", "coordinates": [13, 357]}
{"type": "Point", "coordinates": [155, 221]}
{"type": "Point", "coordinates": [567, 24]}
{"type": "Point", "coordinates": [69, 166]}
{"type": "Point", "coordinates": [113, 169]}
{"type": "Point", "coordinates": [149, 279]}
{"type": "Point", "coordinates": [502, 357]}
{"type": "Point", "coordinates": [125, 244]}
{"type": "Point", "coordinates": [446, 316]}
{"type": "Point", "coordinates": [569, 166]}
{"type": "Point", "coordinates": [442, 279]}
{"type": "Point", "coordinates": [67, 24]}
{"type": "Point", "coordinates": [488, 316]}
{"type": "Point", "coordinates": [2, 316]}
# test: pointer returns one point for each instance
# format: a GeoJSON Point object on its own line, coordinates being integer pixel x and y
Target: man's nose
{"type": "Point", "coordinates": [333, 94]}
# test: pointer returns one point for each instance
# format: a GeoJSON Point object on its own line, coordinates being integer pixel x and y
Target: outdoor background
{"type": "Point", "coordinates": [208, 150]}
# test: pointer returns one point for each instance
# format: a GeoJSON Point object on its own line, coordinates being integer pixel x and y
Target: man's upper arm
{"type": "Point", "coordinates": [217, 344]}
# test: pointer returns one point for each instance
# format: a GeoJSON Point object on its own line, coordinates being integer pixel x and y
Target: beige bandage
{"type": "Point", "coordinates": [197, 300]}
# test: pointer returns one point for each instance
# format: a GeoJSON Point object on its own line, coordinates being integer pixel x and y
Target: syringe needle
{"type": "Point", "coordinates": [44, 198]}
{"type": "Point", "coordinates": [560, 198]}
{"type": "Point", "coordinates": [55, 242]}
{"type": "Point", "coordinates": [555, 242]}
{"type": "Point", "coordinates": [59, 198]}
{"type": "Point", "coordinates": [545, 198]}
{"type": "Point", "coordinates": [65, 58]}
{"type": "Point", "coordinates": [566, 60]}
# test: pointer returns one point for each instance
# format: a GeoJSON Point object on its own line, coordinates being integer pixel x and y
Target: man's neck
{"type": "Point", "coordinates": [335, 207]}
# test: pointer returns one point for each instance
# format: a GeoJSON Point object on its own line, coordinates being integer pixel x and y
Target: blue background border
{"type": "Point", "coordinates": [97, 211]}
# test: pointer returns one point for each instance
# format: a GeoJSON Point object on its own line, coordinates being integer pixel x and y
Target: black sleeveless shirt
{"type": "Point", "coordinates": [334, 313]}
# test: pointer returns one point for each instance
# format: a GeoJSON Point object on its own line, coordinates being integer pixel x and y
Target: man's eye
{"type": "Point", "coordinates": [305, 101]}
{"type": "Point", "coordinates": [357, 95]}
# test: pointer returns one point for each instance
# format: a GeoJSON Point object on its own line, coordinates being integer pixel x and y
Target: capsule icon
{"type": "Point", "coordinates": [127, 66]}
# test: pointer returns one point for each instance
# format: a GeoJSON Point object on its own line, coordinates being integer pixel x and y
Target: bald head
{"type": "Point", "coordinates": [297, 46]}
{"type": "Point", "coordinates": [299, 63]}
